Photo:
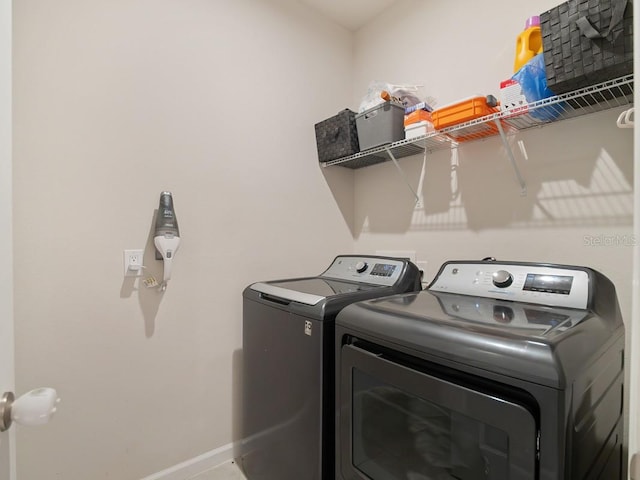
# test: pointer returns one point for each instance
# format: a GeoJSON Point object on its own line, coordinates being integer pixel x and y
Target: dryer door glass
{"type": "Point", "coordinates": [407, 424]}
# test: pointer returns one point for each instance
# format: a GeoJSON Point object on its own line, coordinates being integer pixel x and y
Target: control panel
{"type": "Point", "coordinates": [541, 284]}
{"type": "Point", "coordinates": [374, 270]}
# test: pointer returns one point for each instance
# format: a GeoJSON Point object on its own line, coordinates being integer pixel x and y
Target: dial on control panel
{"type": "Point", "coordinates": [502, 279]}
{"type": "Point", "coordinates": [361, 267]}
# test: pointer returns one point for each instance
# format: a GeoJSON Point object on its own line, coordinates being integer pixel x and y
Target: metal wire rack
{"type": "Point", "coordinates": [603, 96]}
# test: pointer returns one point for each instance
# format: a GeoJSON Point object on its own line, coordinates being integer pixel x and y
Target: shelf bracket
{"type": "Point", "coordinates": [402, 174]}
{"type": "Point", "coordinates": [523, 185]}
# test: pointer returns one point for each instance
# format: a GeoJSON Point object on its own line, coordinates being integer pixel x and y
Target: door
{"type": "Point", "coordinates": [7, 439]}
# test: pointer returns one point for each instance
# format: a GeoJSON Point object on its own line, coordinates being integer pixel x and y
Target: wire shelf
{"type": "Point", "coordinates": [603, 96]}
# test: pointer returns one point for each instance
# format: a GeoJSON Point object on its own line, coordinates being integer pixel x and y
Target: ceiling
{"type": "Point", "coordinates": [351, 14]}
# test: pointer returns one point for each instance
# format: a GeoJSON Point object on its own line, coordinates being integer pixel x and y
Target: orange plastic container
{"type": "Point", "coordinates": [462, 111]}
{"type": "Point", "coordinates": [417, 116]}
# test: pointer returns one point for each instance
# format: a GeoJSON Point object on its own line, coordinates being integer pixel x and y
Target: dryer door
{"type": "Point", "coordinates": [398, 422]}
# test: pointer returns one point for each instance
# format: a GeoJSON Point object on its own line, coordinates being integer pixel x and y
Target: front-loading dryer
{"type": "Point", "coordinates": [498, 371]}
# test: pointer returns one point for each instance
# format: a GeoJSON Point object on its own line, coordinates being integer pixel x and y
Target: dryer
{"type": "Point", "coordinates": [287, 420]}
{"type": "Point", "coordinates": [499, 370]}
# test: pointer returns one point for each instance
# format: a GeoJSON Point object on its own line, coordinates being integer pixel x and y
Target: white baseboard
{"type": "Point", "coordinates": [196, 465]}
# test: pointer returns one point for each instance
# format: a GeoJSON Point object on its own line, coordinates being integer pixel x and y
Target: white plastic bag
{"type": "Point", "coordinates": [408, 95]}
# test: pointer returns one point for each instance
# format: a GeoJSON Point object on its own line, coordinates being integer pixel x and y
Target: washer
{"type": "Point", "coordinates": [498, 370]}
{"type": "Point", "coordinates": [288, 402]}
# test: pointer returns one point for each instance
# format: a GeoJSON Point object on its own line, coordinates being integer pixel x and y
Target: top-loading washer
{"type": "Point", "coordinates": [498, 371]}
{"type": "Point", "coordinates": [287, 422]}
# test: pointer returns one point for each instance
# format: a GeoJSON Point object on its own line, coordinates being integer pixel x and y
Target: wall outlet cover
{"type": "Point", "coordinates": [133, 260]}
{"type": "Point", "coordinates": [410, 254]}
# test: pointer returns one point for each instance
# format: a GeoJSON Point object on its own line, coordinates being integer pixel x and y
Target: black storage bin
{"type": "Point", "coordinates": [337, 136]}
{"type": "Point", "coordinates": [586, 42]}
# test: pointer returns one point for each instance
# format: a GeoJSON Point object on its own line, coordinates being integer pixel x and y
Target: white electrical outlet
{"type": "Point", "coordinates": [410, 254]}
{"type": "Point", "coordinates": [422, 266]}
{"type": "Point", "coordinates": [133, 263]}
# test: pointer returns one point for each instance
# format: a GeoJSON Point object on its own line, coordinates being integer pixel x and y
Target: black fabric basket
{"type": "Point", "coordinates": [586, 42]}
{"type": "Point", "coordinates": [337, 136]}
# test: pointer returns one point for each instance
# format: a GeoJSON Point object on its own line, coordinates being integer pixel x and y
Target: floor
{"type": "Point", "coordinates": [226, 471]}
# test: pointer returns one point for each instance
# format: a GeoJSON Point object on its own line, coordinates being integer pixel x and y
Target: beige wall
{"type": "Point", "coordinates": [116, 101]}
{"type": "Point", "coordinates": [634, 394]}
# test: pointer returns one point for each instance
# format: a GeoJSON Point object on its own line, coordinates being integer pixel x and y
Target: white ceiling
{"type": "Point", "coordinates": [351, 14]}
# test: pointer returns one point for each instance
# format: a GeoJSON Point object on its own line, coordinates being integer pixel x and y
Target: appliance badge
{"type": "Point", "coordinates": [307, 327]}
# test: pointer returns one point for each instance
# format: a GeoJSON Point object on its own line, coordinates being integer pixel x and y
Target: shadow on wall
{"type": "Point", "coordinates": [340, 182]}
{"type": "Point", "coordinates": [575, 175]}
{"type": "Point", "coordinates": [385, 202]}
{"type": "Point", "coordinates": [236, 403]}
{"type": "Point", "coordinates": [150, 298]}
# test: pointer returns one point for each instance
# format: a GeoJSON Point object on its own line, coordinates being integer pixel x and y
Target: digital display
{"type": "Point", "coordinates": [383, 270]}
{"type": "Point", "coordinates": [560, 284]}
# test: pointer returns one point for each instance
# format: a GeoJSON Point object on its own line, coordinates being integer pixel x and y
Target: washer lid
{"type": "Point", "coordinates": [292, 295]}
{"type": "Point", "coordinates": [309, 291]}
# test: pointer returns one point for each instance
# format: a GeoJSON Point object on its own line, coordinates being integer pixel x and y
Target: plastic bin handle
{"type": "Point", "coordinates": [369, 115]}
{"type": "Point", "coordinates": [591, 32]}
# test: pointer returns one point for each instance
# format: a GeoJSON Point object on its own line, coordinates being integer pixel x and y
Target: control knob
{"type": "Point", "coordinates": [502, 279]}
{"type": "Point", "coordinates": [361, 267]}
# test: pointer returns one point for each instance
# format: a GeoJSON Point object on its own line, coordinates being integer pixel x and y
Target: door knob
{"type": "Point", "coordinates": [33, 408]}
